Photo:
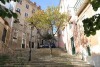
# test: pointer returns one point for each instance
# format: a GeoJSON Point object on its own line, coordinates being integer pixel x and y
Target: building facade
{"type": "Point", "coordinates": [5, 30]}
{"type": "Point", "coordinates": [73, 33]}
{"type": "Point", "coordinates": [4, 35]}
{"type": "Point", "coordinates": [92, 41]}
{"type": "Point", "coordinates": [18, 31]}
{"type": "Point", "coordinates": [21, 30]}
{"type": "Point", "coordinates": [66, 35]}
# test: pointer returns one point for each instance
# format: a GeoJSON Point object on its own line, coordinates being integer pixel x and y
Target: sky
{"type": "Point", "coordinates": [45, 3]}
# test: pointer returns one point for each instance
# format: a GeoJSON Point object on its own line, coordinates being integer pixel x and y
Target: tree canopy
{"type": "Point", "coordinates": [4, 12]}
{"type": "Point", "coordinates": [91, 25]}
{"type": "Point", "coordinates": [46, 20]}
{"type": "Point", "coordinates": [95, 4]}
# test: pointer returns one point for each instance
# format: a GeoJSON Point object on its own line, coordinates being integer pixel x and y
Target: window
{"type": "Point", "coordinates": [15, 34]}
{"type": "Point", "coordinates": [23, 45]}
{"type": "Point", "coordinates": [20, 2]}
{"type": "Point", "coordinates": [23, 40]}
{"type": "Point", "coordinates": [10, 7]}
{"type": "Point", "coordinates": [42, 41]}
{"type": "Point", "coordinates": [33, 10]}
{"type": "Point", "coordinates": [4, 35]}
{"type": "Point", "coordinates": [26, 15]}
{"type": "Point", "coordinates": [18, 10]}
{"type": "Point", "coordinates": [27, 6]}
{"type": "Point", "coordinates": [70, 25]}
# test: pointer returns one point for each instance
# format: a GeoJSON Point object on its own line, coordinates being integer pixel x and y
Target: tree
{"type": "Point", "coordinates": [55, 18]}
{"type": "Point", "coordinates": [91, 25]}
{"type": "Point", "coordinates": [4, 12]}
{"type": "Point", "coordinates": [46, 21]}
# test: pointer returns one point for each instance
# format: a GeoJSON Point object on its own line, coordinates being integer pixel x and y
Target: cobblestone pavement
{"type": "Point", "coordinates": [94, 60]}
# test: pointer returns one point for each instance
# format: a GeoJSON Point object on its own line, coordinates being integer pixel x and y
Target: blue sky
{"type": "Point", "coordinates": [45, 3]}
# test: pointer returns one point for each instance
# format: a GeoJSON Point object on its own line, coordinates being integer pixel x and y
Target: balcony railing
{"type": "Point", "coordinates": [80, 5]}
{"type": "Point", "coordinates": [16, 21]}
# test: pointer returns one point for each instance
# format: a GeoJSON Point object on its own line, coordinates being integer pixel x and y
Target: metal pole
{"type": "Point", "coordinates": [30, 45]}
{"type": "Point", "coordinates": [51, 42]}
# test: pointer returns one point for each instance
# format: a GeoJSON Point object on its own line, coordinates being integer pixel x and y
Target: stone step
{"type": "Point", "coordinates": [41, 58]}
{"type": "Point", "coordinates": [45, 65]}
{"type": "Point", "coordinates": [48, 63]}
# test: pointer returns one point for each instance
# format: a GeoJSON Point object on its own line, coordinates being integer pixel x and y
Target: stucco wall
{"type": "Point", "coordinates": [3, 46]}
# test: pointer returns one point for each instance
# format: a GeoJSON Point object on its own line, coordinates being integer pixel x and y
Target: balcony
{"type": "Point", "coordinates": [80, 6]}
{"type": "Point", "coordinates": [16, 21]}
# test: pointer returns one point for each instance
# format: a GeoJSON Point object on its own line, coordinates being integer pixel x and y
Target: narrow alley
{"type": "Point", "coordinates": [49, 33]}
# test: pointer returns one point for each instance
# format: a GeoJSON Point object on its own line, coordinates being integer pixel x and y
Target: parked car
{"type": "Point", "coordinates": [45, 46]}
{"type": "Point", "coordinates": [52, 45]}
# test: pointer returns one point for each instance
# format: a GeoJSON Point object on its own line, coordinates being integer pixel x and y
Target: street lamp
{"type": "Point", "coordinates": [30, 44]}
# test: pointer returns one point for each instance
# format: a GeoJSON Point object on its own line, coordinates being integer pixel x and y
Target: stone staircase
{"type": "Point", "coordinates": [42, 58]}
{"type": "Point", "coordinates": [77, 61]}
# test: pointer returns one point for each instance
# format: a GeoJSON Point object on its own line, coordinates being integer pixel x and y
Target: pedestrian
{"type": "Point", "coordinates": [84, 53]}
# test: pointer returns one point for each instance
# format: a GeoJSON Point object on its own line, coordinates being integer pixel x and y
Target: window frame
{"type": "Point", "coordinates": [26, 14]}
{"type": "Point", "coordinates": [4, 33]}
{"type": "Point", "coordinates": [20, 2]}
{"type": "Point", "coordinates": [18, 10]}
{"type": "Point", "coordinates": [27, 6]}
{"type": "Point", "coordinates": [33, 11]}
{"type": "Point", "coordinates": [15, 35]}
{"type": "Point", "coordinates": [23, 44]}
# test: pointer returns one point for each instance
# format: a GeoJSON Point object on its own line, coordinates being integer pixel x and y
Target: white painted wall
{"type": "Point", "coordinates": [67, 6]}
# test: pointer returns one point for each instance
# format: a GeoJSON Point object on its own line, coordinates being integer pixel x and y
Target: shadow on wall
{"type": "Point", "coordinates": [60, 43]}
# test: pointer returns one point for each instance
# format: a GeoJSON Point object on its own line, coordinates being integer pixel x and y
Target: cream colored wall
{"type": "Point", "coordinates": [67, 33]}
{"type": "Point", "coordinates": [24, 26]}
{"type": "Point", "coordinates": [7, 27]}
{"type": "Point", "coordinates": [24, 10]}
{"type": "Point", "coordinates": [94, 41]}
{"type": "Point", "coordinates": [87, 12]}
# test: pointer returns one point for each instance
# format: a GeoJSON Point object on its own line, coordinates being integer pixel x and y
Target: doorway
{"type": "Point", "coordinates": [73, 46]}
{"type": "Point", "coordinates": [23, 45]}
